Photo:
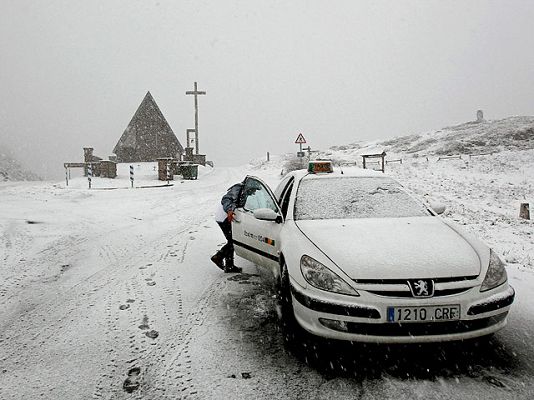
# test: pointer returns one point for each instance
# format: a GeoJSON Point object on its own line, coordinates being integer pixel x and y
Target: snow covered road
{"type": "Point", "coordinates": [96, 286]}
{"type": "Point", "coordinates": [110, 294]}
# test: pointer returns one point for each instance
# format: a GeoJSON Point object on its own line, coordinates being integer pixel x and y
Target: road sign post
{"type": "Point", "coordinates": [300, 141]}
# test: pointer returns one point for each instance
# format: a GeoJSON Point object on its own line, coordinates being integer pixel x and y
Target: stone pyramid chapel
{"type": "Point", "coordinates": [148, 136]}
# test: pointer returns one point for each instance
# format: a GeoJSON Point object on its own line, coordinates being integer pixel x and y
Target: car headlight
{"type": "Point", "coordinates": [317, 275]}
{"type": "Point", "coordinates": [496, 274]}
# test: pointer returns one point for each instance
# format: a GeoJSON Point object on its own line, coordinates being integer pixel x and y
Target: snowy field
{"type": "Point", "coordinates": [109, 293]}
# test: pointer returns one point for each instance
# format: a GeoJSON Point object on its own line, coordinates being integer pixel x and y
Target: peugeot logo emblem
{"type": "Point", "coordinates": [421, 287]}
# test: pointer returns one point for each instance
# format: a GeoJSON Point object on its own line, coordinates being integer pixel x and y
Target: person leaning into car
{"type": "Point", "coordinates": [224, 215]}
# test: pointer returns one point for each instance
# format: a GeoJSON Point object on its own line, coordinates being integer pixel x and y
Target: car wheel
{"type": "Point", "coordinates": [286, 305]}
{"type": "Point", "coordinates": [291, 329]}
{"type": "Point", "coordinates": [284, 293]}
{"type": "Point", "coordinates": [300, 342]}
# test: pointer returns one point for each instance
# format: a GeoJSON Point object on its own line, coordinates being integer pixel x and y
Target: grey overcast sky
{"type": "Point", "coordinates": [73, 72]}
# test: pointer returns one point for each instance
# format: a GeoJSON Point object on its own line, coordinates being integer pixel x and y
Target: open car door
{"type": "Point", "coordinates": [257, 224]}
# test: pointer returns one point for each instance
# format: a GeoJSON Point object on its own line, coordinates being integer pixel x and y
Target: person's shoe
{"type": "Point", "coordinates": [232, 268]}
{"type": "Point", "coordinates": [218, 261]}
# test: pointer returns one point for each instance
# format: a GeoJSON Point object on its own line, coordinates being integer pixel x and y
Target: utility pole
{"type": "Point", "coordinates": [195, 93]}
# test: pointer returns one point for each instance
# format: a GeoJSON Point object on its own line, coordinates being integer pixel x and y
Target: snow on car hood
{"type": "Point", "coordinates": [393, 248]}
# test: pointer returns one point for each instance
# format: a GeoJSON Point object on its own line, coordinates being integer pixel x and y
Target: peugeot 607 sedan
{"type": "Point", "coordinates": [358, 258]}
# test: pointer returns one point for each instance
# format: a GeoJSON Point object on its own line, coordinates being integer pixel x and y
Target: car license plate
{"type": "Point", "coordinates": [424, 314]}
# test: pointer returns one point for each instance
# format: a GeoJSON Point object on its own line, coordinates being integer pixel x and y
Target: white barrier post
{"type": "Point", "coordinates": [132, 175]}
{"type": "Point", "coordinates": [168, 172]}
{"type": "Point", "coordinates": [89, 174]}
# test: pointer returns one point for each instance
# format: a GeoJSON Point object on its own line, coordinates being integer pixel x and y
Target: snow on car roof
{"type": "Point", "coordinates": [338, 172]}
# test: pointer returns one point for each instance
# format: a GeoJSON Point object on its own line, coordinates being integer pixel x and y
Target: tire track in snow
{"type": "Point", "coordinates": [171, 367]}
{"type": "Point", "coordinates": [167, 367]}
{"type": "Point", "coordinates": [16, 242]}
{"type": "Point", "coordinates": [24, 273]}
{"type": "Point", "coordinates": [105, 383]}
{"type": "Point", "coordinates": [118, 270]}
{"type": "Point", "coordinates": [115, 266]}
{"type": "Point", "coordinates": [151, 310]}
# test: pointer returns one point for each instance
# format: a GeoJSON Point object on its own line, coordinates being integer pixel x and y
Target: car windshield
{"type": "Point", "coordinates": [354, 197]}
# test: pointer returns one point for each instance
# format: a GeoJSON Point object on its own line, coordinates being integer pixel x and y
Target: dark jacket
{"type": "Point", "coordinates": [230, 199]}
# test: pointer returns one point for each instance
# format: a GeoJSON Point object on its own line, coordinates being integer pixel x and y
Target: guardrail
{"type": "Point", "coordinates": [445, 158]}
{"type": "Point", "coordinates": [481, 154]}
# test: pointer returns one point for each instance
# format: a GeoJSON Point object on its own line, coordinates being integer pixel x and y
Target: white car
{"type": "Point", "coordinates": [359, 258]}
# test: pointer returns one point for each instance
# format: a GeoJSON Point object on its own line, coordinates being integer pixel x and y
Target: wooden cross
{"type": "Point", "coordinates": [195, 93]}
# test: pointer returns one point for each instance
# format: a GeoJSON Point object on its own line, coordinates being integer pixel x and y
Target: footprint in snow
{"type": "Point", "coordinates": [131, 383]}
{"type": "Point", "coordinates": [144, 324]}
{"type": "Point", "coordinates": [152, 334]}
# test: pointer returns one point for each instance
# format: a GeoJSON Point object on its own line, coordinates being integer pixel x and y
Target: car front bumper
{"type": "Point", "coordinates": [363, 318]}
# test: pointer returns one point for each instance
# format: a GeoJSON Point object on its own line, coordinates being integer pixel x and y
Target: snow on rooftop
{"type": "Point", "coordinates": [145, 174]}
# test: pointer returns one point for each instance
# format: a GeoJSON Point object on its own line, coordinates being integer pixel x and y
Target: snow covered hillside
{"type": "Point", "coordinates": [513, 133]}
{"type": "Point", "coordinates": [11, 170]}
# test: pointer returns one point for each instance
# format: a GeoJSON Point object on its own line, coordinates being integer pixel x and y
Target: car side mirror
{"type": "Point", "coordinates": [439, 208]}
{"type": "Point", "coordinates": [266, 214]}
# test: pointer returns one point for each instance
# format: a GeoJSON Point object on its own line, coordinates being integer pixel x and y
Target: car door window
{"type": "Point", "coordinates": [255, 195]}
{"type": "Point", "coordinates": [281, 188]}
{"type": "Point", "coordinates": [285, 199]}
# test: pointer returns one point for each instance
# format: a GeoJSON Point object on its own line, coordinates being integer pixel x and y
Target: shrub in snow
{"type": "Point", "coordinates": [294, 163]}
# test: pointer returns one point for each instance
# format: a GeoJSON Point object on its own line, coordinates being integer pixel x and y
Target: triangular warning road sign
{"type": "Point", "coordinates": [300, 139]}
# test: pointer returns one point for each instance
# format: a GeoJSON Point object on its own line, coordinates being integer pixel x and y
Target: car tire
{"type": "Point", "coordinates": [290, 325]}
{"type": "Point", "coordinates": [293, 332]}
{"type": "Point", "coordinates": [306, 346]}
